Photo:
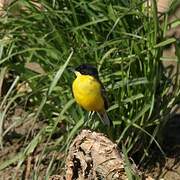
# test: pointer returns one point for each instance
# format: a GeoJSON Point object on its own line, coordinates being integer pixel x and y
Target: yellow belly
{"type": "Point", "coordinates": [87, 93]}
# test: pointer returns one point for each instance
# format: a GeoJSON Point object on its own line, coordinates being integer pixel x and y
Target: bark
{"type": "Point", "coordinates": [93, 156]}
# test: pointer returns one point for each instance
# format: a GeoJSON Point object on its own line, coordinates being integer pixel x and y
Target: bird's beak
{"type": "Point", "coordinates": [74, 71]}
{"type": "Point", "coordinates": [77, 73]}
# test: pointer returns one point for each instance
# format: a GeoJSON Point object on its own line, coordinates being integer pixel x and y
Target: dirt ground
{"type": "Point", "coordinates": [158, 167]}
{"type": "Point", "coordinates": [167, 168]}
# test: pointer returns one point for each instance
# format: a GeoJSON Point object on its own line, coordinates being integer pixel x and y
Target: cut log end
{"type": "Point", "coordinates": [94, 156]}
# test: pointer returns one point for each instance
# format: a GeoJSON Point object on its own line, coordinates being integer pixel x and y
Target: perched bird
{"type": "Point", "coordinates": [89, 92]}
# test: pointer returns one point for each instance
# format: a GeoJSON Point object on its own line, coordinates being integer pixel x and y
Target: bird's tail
{"type": "Point", "coordinates": [104, 118]}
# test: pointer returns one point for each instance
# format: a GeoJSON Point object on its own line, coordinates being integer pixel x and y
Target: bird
{"type": "Point", "coordinates": [89, 91]}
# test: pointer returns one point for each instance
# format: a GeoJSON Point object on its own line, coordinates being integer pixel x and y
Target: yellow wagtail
{"type": "Point", "coordinates": [89, 92]}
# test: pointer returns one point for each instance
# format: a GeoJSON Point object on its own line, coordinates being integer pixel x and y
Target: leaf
{"type": "Point", "coordinates": [35, 67]}
{"type": "Point", "coordinates": [59, 74]}
{"type": "Point", "coordinates": [165, 43]}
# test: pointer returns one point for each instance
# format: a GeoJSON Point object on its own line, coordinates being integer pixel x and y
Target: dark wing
{"type": "Point", "coordinates": [104, 95]}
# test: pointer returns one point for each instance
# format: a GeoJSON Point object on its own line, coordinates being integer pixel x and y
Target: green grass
{"type": "Point", "coordinates": [123, 39]}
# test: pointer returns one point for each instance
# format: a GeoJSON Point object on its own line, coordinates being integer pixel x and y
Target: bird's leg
{"type": "Point", "coordinates": [90, 115]}
{"type": "Point", "coordinates": [86, 119]}
{"type": "Point", "coordinates": [93, 118]}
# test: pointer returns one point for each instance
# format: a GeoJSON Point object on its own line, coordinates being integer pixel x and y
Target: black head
{"type": "Point", "coordinates": [87, 69]}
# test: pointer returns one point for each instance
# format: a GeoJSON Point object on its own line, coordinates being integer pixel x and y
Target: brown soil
{"type": "Point", "coordinates": [159, 167]}
{"type": "Point", "coordinates": [167, 167]}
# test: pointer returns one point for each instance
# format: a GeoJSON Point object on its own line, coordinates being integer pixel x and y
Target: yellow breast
{"type": "Point", "coordinates": [87, 93]}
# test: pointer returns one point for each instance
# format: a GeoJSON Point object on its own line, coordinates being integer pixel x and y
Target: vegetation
{"type": "Point", "coordinates": [124, 39]}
